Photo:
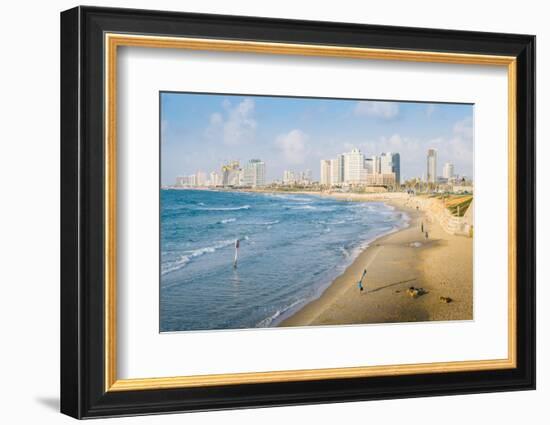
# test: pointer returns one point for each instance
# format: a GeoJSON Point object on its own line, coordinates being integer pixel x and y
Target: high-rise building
{"type": "Point", "coordinates": [326, 175]}
{"type": "Point", "coordinates": [369, 165]}
{"type": "Point", "coordinates": [254, 173]}
{"type": "Point", "coordinates": [215, 179]}
{"type": "Point", "coordinates": [307, 177]}
{"type": "Point", "coordinates": [448, 170]}
{"type": "Point", "coordinates": [376, 164]}
{"type": "Point", "coordinates": [391, 163]}
{"type": "Point", "coordinates": [431, 169]}
{"type": "Point", "coordinates": [231, 173]}
{"type": "Point", "coordinates": [335, 174]}
{"type": "Point", "coordinates": [289, 177]}
{"type": "Point", "coordinates": [186, 181]}
{"type": "Point", "coordinates": [259, 167]}
{"type": "Point", "coordinates": [354, 166]}
{"type": "Point", "coordinates": [341, 162]}
{"type": "Point", "coordinates": [201, 178]}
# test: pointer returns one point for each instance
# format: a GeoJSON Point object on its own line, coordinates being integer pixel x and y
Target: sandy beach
{"type": "Point", "coordinates": [441, 266]}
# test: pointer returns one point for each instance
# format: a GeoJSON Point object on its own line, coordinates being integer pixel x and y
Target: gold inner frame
{"type": "Point", "coordinates": [113, 41]}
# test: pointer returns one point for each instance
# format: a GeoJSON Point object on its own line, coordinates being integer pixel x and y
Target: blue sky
{"type": "Point", "coordinates": [201, 131]}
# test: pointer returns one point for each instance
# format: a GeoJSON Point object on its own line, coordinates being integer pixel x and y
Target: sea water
{"type": "Point", "coordinates": [291, 247]}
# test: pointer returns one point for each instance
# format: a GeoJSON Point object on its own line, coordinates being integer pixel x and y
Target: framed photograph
{"type": "Point", "coordinates": [261, 212]}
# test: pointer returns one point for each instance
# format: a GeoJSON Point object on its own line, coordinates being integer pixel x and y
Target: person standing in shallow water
{"type": "Point", "coordinates": [360, 283]}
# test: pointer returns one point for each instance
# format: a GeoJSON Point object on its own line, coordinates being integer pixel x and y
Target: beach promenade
{"type": "Point", "coordinates": [440, 269]}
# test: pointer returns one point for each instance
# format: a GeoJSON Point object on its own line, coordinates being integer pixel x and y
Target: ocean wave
{"type": "Point", "coordinates": [227, 220]}
{"type": "Point", "coordinates": [189, 255]}
{"type": "Point", "coordinates": [302, 207]}
{"type": "Point", "coordinates": [335, 222]}
{"type": "Point", "coordinates": [260, 223]}
{"type": "Point", "coordinates": [344, 251]}
{"type": "Point", "coordinates": [242, 207]}
{"type": "Point", "coordinates": [270, 319]}
{"type": "Point", "coordinates": [289, 197]}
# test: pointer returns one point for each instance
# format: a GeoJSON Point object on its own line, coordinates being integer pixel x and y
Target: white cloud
{"type": "Point", "coordinates": [383, 110]}
{"type": "Point", "coordinates": [236, 126]}
{"type": "Point", "coordinates": [293, 146]}
{"type": "Point", "coordinates": [460, 145]}
{"type": "Point", "coordinates": [216, 119]}
{"type": "Point", "coordinates": [464, 128]}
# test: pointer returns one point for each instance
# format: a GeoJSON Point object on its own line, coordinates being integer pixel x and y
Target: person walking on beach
{"type": "Point", "coordinates": [360, 283]}
{"type": "Point", "coordinates": [422, 227]}
{"type": "Point", "coordinates": [426, 234]}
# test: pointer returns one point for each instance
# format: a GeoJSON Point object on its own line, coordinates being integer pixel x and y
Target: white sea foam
{"type": "Point", "coordinates": [227, 220]}
{"type": "Point", "coordinates": [303, 207]}
{"type": "Point", "coordinates": [269, 320]}
{"type": "Point", "coordinates": [189, 255]}
{"type": "Point", "coordinates": [344, 251]}
{"type": "Point", "coordinates": [332, 222]}
{"type": "Point", "coordinates": [289, 197]}
{"type": "Point", "coordinates": [243, 207]}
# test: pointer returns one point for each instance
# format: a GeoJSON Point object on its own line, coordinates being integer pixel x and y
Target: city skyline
{"type": "Point", "coordinates": [201, 132]}
{"type": "Point", "coordinates": [348, 169]}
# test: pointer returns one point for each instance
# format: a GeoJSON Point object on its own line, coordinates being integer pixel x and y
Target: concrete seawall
{"type": "Point", "coordinates": [436, 210]}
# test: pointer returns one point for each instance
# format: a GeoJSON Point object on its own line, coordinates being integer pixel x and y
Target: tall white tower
{"type": "Point", "coordinates": [431, 170]}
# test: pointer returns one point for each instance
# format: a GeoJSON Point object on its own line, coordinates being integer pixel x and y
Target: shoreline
{"type": "Point", "coordinates": [292, 311]}
{"type": "Point", "coordinates": [395, 262]}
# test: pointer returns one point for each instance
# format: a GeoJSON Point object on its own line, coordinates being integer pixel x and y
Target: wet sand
{"type": "Point", "coordinates": [441, 265]}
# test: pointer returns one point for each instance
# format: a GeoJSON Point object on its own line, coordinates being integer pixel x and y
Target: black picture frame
{"type": "Point", "coordinates": [83, 392]}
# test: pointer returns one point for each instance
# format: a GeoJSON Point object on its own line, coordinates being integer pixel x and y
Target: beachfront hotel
{"type": "Point", "coordinates": [254, 173]}
{"type": "Point", "coordinates": [355, 169]}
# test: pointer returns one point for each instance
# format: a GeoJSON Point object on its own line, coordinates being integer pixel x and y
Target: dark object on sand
{"type": "Point", "coordinates": [415, 292]}
{"type": "Point", "coordinates": [445, 300]}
